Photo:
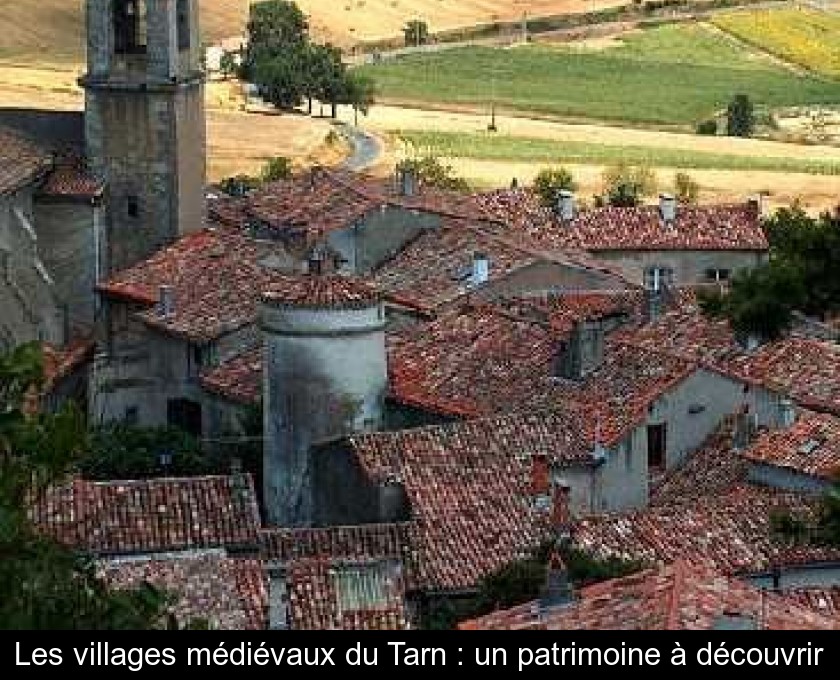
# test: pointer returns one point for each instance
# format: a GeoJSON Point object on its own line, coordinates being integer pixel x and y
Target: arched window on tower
{"type": "Point", "coordinates": [130, 26]}
{"type": "Point", "coordinates": [183, 15]}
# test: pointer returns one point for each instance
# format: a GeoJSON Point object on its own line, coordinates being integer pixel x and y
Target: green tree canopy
{"type": "Point", "coordinates": [44, 585]}
{"type": "Point", "coordinates": [549, 182]}
{"type": "Point", "coordinates": [627, 186]}
{"type": "Point", "coordinates": [740, 117]}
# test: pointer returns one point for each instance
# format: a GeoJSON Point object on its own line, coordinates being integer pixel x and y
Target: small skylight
{"type": "Point", "coordinates": [810, 446]}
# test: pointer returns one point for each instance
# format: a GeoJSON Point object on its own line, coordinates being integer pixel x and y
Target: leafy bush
{"type": "Point", "coordinates": [434, 173]}
{"type": "Point", "coordinates": [707, 127]}
{"type": "Point", "coordinates": [550, 182]}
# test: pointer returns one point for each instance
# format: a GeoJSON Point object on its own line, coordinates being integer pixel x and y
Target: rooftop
{"type": "Point", "coordinates": [152, 516]}
{"type": "Point", "coordinates": [685, 595]}
{"type": "Point", "coordinates": [735, 227]}
{"type": "Point", "coordinates": [346, 578]}
{"type": "Point", "coordinates": [811, 446]}
{"type": "Point", "coordinates": [732, 530]}
{"type": "Point", "coordinates": [71, 180]}
{"type": "Point", "coordinates": [21, 161]}
{"type": "Point", "coordinates": [805, 369]}
{"type": "Point", "coordinates": [492, 358]}
{"type": "Point", "coordinates": [321, 292]}
{"type": "Point", "coordinates": [471, 487]}
{"type": "Point", "coordinates": [240, 379]}
{"type": "Point", "coordinates": [230, 593]}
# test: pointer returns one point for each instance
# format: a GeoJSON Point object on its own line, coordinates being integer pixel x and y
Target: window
{"type": "Point", "coordinates": [657, 446]}
{"type": "Point", "coordinates": [132, 208]}
{"type": "Point", "coordinates": [717, 275]}
{"type": "Point", "coordinates": [129, 18]}
{"type": "Point", "coordinates": [658, 278]}
{"type": "Point", "coordinates": [183, 13]}
{"type": "Point", "coordinates": [185, 415]}
{"type": "Point", "coordinates": [132, 415]}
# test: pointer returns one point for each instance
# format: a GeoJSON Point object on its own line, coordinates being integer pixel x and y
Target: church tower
{"type": "Point", "coordinates": [145, 127]}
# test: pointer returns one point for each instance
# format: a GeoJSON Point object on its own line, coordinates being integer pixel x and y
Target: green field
{"type": "Point", "coordinates": [803, 36]}
{"type": "Point", "coordinates": [671, 75]}
{"type": "Point", "coordinates": [487, 146]}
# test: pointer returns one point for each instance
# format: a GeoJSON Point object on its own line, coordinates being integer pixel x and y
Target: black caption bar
{"type": "Point", "coordinates": [519, 652]}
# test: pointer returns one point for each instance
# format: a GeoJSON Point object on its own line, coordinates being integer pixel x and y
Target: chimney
{"type": "Point", "coordinates": [315, 266]}
{"type": "Point", "coordinates": [583, 352]}
{"type": "Point", "coordinates": [756, 206]}
{"type": "Point", "coordinates": [787, 414]}
{"type": "Point", "coordinates": [558, 590]}
{"type": "Point", "coordinates": [407, 182]}
{"type": "Point", "coordinates": [566, 205]}
{"type": "Point", "coordinates": [481, 269]}
{"type": "Point", "coordinates": [743, 433]}
{"type": "Point", "coordinates": [667, 208]}
{"type": "Point", "coordinates": [561, 510]}
{"type": "Point", "coordinates": [540, 482]}
{"type": "Point", "coordinates": [278, 599]}
{"type": "Point", "coordinates": [166, 302]}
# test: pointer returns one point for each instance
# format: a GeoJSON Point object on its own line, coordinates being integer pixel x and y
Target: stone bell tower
{"type": "Point", "coordinates": [145, 125]}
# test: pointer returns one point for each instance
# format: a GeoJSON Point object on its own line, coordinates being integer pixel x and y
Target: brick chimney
{"type": "Point", "coordinates": [540, 482]}
{"type": "Point", "coordinates": [166, 302]}
{"type": "Point", "coordinates": [561, 511]}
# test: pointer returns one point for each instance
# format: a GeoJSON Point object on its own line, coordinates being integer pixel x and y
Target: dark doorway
{"type": "Point", "coordinates": [185, 415]}
{"type": "Point", "coordinates": [657, 436]}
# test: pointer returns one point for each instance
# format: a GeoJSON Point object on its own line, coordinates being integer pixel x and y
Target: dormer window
{"type": "Point", "coordinates": [130, 26]}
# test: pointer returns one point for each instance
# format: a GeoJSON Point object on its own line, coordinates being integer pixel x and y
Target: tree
{"type": "Point", "coordinates": [44, 585]}
{"type": "Point", "coordinates": [686, 188]}
{"type": "Point", "coordinates": [550, 182]}
{"type": "Point", "coordinates": [120, 451]}
{"type": "Point", "coordinates": [626, 186]}
{"type": "Point", "coordinates": [740, 117]}
{"type": "Point", "coordinates": [432, 172]}
{"type": "Point", "coordinates": [416, 33]}
{"type": "Point", "coordinates": [274, 27]}
{"type": "Point", "coordinates": [707, 127]}
{"type": "Point", "coordinates": [760, 302]}
{"type": "Point", "coordinates": [360, 93]}
{"type": "Point", "coordinates": [281, 80]}
{"type": "Point", "coordinates": [276, 168]}
{"type": "Point", "coordinates": [330, 77]}
{"type": "Point", "coordinates": [229, 64]}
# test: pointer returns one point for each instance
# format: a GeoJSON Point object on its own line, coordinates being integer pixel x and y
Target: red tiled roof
{"type": "Point", "coordinates": [825, 601]}
{"type": "Point", "coordinates": [804, 369]}
{"type": "Point", "coordinates": [21, 161]}
{"type": "Point", "coordinates": [321, 292]}
{"type": "Point", "coordinates": [217, 281]}
{"type": "Point", "coordinates": [239, 379]}
{"type": "Point", "coordinates": [72, 181]}
{"type": "Point", "coordinates": [470, 487]}
{"type": "Point", "coordinates": [716, 468]}
{"type": "Point", "coordinates": [681, 596]}
{"type": "Point", "coordinates": [60, 362]}
{"type": "Point", "coordinates": [811, 446]}
{"type": "Point", "coordinates": [230, 593]}
{"type": "Point", "coordinates": [156, 515]}
{"type": "Point", "coordinates": [346, 578]}
{"type": "Point", "coordinates": [732, 530]}
{"type": "Point", "coordinates": [735, 227]}
{"type": "Point", "coordinates": [487, 359]}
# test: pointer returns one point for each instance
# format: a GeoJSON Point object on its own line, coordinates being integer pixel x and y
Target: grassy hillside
{"type": "Point", "coordinates": [802, 36]}
{"type": "Point", "coordinates": [673, 75]}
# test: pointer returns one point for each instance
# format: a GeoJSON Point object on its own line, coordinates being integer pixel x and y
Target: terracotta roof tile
{"type": "Point", "coordinates": [239, 379]}
{"type": "Point", "coordinates": [71, 181]}
{"type": "Point", "coordinates": [685, 595]}
{"type": "Point", "coordinates": [345, 578]}
{"type": "Point", "coordinates": [229, 592]}
{"type": "Point", "coordinates": [811, 446]}
{"type": "Point", "coordinates": [471, 489]}
{"type": "Point", "coordinates": [734, 227]}
{"type": "Point", "coordinates": [21, 161]}
{"type": "Point", "coordinates": [60, 362]}
{"type": "Point", "coordinates": [156, 515]}
{"type": "Point", "coordinates": [321, 292]}
{"type": "Point", "coordinates": [732, 530]}
{"type": "Point", "coordinates": [802, 368]}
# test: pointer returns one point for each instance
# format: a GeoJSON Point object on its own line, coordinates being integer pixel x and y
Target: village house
{"type": "Point", "coordinates": [197, 538]}
{"type": "Point", "coordinates": [802, 457]}
{"type": "Point", "coordinates": [671, 244]}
